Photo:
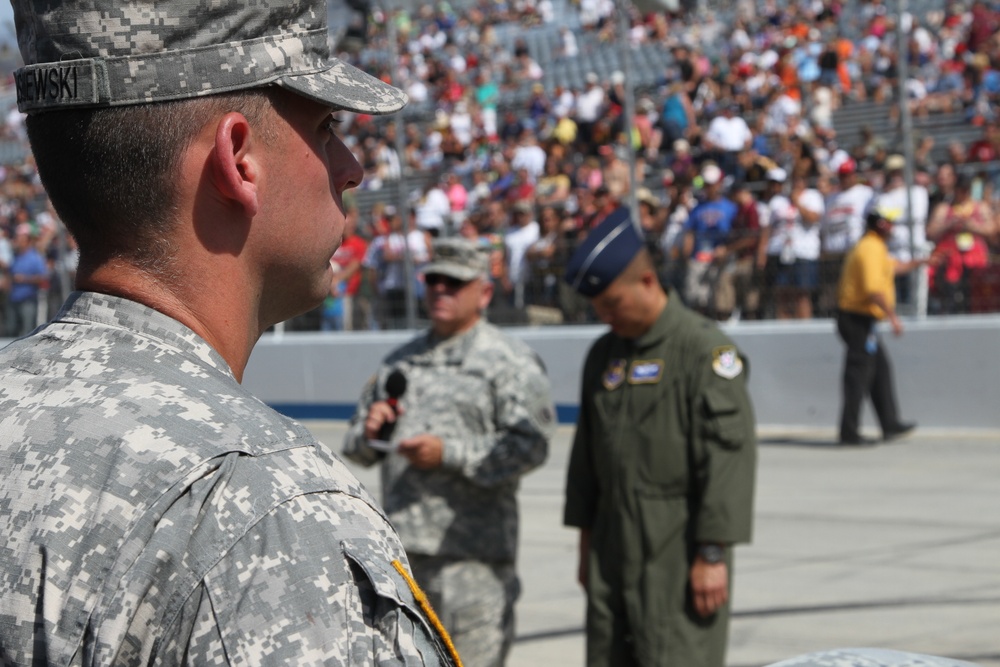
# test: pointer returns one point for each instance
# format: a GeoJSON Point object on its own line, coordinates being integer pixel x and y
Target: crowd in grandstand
{"type": "Point", "coordinates": [749, 192]}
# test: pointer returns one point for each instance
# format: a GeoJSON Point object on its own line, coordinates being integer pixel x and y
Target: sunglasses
{"type": "Point", "coordinates": [435, 279]}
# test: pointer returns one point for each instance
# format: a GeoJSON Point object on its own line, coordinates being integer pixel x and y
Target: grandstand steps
{"type": "Point", "coordinates": [944, 128]}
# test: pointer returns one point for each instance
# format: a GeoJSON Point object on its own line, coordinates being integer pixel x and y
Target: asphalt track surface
{"type": "Point", "coordinates": [894, 546]}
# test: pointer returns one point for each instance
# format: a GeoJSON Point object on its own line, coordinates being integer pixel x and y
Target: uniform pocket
{"type": "Point", "coordinates": [397, 589]}
{"type": "Point", "coordinates": [725, 422]}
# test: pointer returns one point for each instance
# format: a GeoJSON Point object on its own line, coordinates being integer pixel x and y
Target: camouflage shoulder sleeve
{"type": "Point", "coordinates": [523, 414]}
{"type": "Point", "coordinates": [313, 584]}
{"type": "Point", "coordinates": [355, 445]}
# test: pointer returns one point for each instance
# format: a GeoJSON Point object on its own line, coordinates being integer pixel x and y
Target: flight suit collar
{"type": "Point", "coordinates": [663, 326]}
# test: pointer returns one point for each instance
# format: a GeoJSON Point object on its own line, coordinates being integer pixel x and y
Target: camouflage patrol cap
{"type": "Point", "coordinates": [100, 53]}
{"type": "Point", "coordinates": [458, 258]}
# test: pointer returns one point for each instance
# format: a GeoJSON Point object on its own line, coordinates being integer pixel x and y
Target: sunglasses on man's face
{"type": "Point", "coordinates": [435, 279]}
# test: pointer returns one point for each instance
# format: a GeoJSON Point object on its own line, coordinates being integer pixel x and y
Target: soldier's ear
{"type": "Point", "coordinates": [234, 166]}
{"type": "Point", "coordinates": [648, 278]}
{"type": "Point", "coordinates": [486, 295]}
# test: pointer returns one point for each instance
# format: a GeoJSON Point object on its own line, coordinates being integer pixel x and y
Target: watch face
{"type": "Point", "coordinates": [711, 553]}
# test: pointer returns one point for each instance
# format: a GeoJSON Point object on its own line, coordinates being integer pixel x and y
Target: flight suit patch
{"type": "Point", "coordinates": [645, 371]}
{"type": "Point", "coordinates": [614, 375]}
{"type": "Point", "coordinates": [726, 362]}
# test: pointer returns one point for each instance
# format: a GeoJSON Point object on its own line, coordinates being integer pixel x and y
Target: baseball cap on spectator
{"type": "Point", "coordinates": [591, 77]}
{"type": "Point", "coordinates": [711, 174]}
{"type": "Point", "coordinates": [107, 53]}
{"type": "Point", "coordinates": [895, 162]}
{"type": "Point", "coordinates": [681, 146]}
{"type": "Point", "coordinates": [776, 175]}
{"type": "Point", "coordinates": [646, 196]}
{"type": "Point", "coordinates": [847, 167]}
{"type": "Point", "coordinates": [457, 257]}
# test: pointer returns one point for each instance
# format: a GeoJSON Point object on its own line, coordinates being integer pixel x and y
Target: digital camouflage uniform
{"type": "Point", "coordinates": [154, 512]}
{"type": "Point", "coordinates": [486, 395]}
{"type": "Point", "coordinates": [663, 458]}
{"type": "Point", "coordinates": [115, 52]}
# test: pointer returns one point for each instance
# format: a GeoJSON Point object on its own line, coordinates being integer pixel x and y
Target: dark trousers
{"type": "Point", "coordinates": [866, 371]}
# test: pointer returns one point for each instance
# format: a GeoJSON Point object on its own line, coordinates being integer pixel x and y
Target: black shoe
{"type": "Point", "coordinates": [857, 441]}
{"type": "Point", "coordinates": [898, 431]}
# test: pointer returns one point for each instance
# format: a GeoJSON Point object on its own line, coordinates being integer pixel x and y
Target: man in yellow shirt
{"type": "Point", "coordinates": [866, 295]}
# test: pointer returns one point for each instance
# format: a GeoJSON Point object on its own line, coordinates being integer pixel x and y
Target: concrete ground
{"type": "Point", "coordinates": [895, 546]}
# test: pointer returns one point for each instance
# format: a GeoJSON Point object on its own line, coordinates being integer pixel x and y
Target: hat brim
{"type": "Point", "coordinates": [346, 87]}
{"type": "Point", "coordinates": [452, 271]}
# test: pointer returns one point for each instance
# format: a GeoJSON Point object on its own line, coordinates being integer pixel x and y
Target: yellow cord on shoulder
{"type": "Point", "coordinates": [425, 605]}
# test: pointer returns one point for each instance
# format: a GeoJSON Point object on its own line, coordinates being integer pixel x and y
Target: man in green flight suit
{"type": "Point", "coordinates": [661, 474]}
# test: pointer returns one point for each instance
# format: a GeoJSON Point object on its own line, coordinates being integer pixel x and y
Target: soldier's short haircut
{"type": "Point", "coordinates": [110, 172]}
{"type": "Point", "coordinates": [103, 83]}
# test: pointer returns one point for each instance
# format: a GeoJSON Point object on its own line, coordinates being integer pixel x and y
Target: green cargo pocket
{"type": "Point", "coordinates": [724, 422]}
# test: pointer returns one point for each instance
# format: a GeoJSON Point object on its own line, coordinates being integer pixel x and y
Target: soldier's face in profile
{"type": "Point", "coordinates": [305, 169]}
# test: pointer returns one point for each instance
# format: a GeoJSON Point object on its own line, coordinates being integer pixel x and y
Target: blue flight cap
{"type": "Point", "coordinates": [604, 254]}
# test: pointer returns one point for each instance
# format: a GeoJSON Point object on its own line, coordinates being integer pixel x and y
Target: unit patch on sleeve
{"type": "Point", "coordinates": [646, 371]}
{"type": "Point", "coordinates": [726, 362]}
{"type": "Point", "coordinates": [614, 375]}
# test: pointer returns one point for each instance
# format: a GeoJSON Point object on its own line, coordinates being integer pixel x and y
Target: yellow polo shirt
{"type": "Point", "coordinates": [868, 269]}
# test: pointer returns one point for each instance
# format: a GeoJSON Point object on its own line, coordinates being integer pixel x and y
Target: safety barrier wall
{"type": "Point", "coordinates": [947, 370]}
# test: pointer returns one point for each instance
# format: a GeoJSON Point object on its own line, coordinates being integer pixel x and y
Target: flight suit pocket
{"type": "Point", "coordinates": [725, 422]}
{"type": "Point", "coordinates": [660, 439]}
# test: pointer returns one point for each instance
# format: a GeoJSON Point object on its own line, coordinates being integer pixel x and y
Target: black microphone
{"type": "Point", "coordinates": [395, 386]}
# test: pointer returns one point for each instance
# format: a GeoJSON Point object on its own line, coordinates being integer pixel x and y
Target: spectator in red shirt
{"type": "Point", "coordinates": [348, 257]}
{"type": "Point", "coordinates": [987, 147]}
{"type": "Point", "coordinates": [982, 27]}
{"type": "Point", "coordinates": [741, 249]}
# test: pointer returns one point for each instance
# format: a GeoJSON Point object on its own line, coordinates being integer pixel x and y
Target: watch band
{"type": "Point", "coordinates": [712, 553]}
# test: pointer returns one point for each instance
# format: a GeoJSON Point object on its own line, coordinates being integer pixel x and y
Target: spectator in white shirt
{"type": "Point", "coordinates": [589, 105]}
{"type": "Point", "coordinates": [842, 225]}
{"type": "Point", "coordinates": [520, 236]}
{"type": "Point", "coordinates": [529, 155]}
{"type": "Point", "coordinates": [728, 135]}
{"type": "Point", "coordinates": [433, 210]}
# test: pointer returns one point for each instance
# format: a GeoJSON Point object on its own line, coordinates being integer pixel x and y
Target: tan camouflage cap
{"type": "Point", "coordinates": [457, 257]}
{"type": "Point", "coordinates": [96, 53]}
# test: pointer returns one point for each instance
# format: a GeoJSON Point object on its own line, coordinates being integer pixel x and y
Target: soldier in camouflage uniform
{"type": "Point", "coordinates": [661, 473]}
{"type": "Point", "coordinates": [153, 511]}
{"type": "Point", "coordinates": [475, 416]}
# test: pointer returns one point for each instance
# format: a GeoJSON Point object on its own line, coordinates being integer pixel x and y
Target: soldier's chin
{"type": "Point", "coordinates": [622, 330]}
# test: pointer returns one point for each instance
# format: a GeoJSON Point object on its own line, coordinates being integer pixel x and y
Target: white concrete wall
{"type": "Point", "coordinates": [947, 369]}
